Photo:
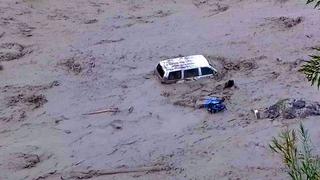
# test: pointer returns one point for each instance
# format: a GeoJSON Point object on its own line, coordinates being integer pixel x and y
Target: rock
{"type": "Point", "coordinates": [229, 84]}
{"type": "Point", "coordinates": [26, 161]}
{"type": "Point", "coordinates": [131, 108]}
{"type": "Point", "coordinates": [289, 113]}
{"type": "Point", "coordinates": [312, 109]}
{"type": "Point", "coordinates": [299, 104]}
{"type": "Point", "coordinates": [90, 21]}
{"type": "Point", "coordinates": [273, 112]}
{"type": "Point", "coordinates": [67, 131]}
{"type": "Point", "coordinates": [54, 83]}
{"type": "Point", "coordinates": [117, 124]}
{"type": "Point", "coordinates": [31, 160]}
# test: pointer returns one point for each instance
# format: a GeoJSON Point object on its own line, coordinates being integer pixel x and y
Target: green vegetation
{"type": "Point", "coordinates": [314, 1]}
{"type": "Point", "coordinates": [312, 69]}
{"type": "Point", "coordinates": [297, 155]}
{"type": "Point", "coordinates": [296, 151]}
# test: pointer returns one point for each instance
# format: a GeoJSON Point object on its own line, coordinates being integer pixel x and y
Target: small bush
{"type": "Point", "coordinates": [312, 69]}
{"type": "Point", "coordinates": [314, 1]}
{"type": "Point", "coordinates": [301, 164]}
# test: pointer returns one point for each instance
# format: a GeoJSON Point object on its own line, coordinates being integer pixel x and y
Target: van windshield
{"type": "Point", "coordinates": [160, 70]}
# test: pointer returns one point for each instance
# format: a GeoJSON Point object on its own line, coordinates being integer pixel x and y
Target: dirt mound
{"type": "Point", "coordinates": [218, 9]}
{"type": "Point", "coordinates": [11, 51]}
{"type": "Point", "coordinates": [72, 66]}
{"type": "Point", "coordinates": [28, 88]}
{"type": "Point", "coordinates": [35, 101]}
{"type": "Point", "coordinates": [59, 14]}
{"type": "Point", "coordinates": [78, 63]}
{"type": "Point", "coordinates": [244, 65]}
{"type": "Point", "coordinates": [128, 21]}
{"type": "Point", "coordinates": [24, 161]}
{"type": "Point", "coordinates": [24, 29]}
{"type": "Point", "coordinates": [150, 18]}
{"type": "Point", "coordinates": [190, 93]}
{"type": "Point", "coordinates": [212, 7]}
{"type": "Point", "coordinates": [161, 13]}
{"type": "Point", "coordinates": [203, 3]}
{"type": "Point", "coordinates": [284, 23]}
{"type": "Point", "coordinates": [229, 67]}
{"type": "Point", "coordinates": [20, 100]}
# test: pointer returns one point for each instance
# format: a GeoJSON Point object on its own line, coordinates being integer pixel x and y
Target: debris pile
{"type": "Point", "coordinates": [78, 63]}
{"type": "Point", "coordinates": [24, 161]}
{"type": "Point", "coordinates": [35, 101]}
{"type": "Point", "coordinates": [284, 23]}
{"type": "Point", "coordinates": [292, 108]}
{"type": "Point", "coordinates": [11, 51]}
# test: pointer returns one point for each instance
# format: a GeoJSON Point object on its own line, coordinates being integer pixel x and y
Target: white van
{"type": "Point", "coordinates": [184, 68]}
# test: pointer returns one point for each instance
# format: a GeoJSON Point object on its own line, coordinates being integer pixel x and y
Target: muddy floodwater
{"type": "Point", "coordinates": [79, 99]}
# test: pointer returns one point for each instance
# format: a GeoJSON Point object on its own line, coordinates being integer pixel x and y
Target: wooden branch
{"type": "Point", "coordinates": [94, 173]}
{"type": "Point", "coordinates": [130, 170]}
{"type": "Point", "coordinates": [103, 111]}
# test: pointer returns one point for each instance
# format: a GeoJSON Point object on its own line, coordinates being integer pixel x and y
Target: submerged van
{"type": "Point", "coordinates": [184, 68]}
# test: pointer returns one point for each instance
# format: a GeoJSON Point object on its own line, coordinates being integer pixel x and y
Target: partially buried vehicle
{"type": "Point", "coordinates": [184, 68]}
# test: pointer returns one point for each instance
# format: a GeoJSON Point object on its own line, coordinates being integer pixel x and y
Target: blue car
{"type": "Point", "coordinates": [214, 104]}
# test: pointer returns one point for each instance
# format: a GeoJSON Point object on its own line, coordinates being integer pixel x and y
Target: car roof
{"type": "Point", "coordinates": [183, 63]}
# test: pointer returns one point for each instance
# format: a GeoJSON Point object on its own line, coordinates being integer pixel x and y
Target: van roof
{"type": "Point", "coordinates": [182, 63]}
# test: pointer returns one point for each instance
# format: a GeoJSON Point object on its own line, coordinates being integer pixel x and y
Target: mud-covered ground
{"type": "Point", "coordinates": [62, 59]}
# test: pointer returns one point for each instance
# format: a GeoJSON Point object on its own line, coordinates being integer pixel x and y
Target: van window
{"type": "Point", "coordinates": [160, 70]}
{"type": "Point", "coordinates": [174, 75]}
{"type": "Point", "coordinates": [191, 73]}
{"type": "Point", "coordinates": [206, 71]}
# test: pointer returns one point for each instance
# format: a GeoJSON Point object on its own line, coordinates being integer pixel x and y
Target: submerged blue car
{"type": "Point", "coordinates": [214, 104]}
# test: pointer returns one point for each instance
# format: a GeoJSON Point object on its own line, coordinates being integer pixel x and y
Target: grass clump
{"type": "Point", "coordinates": [297, 154]}
{"type": "Point", "coordinates": [317, 2]}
